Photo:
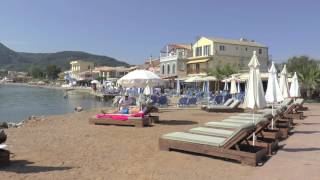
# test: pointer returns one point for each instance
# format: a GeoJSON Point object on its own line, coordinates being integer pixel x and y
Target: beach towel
{"type": "Point", "coordinates": [120, 117]}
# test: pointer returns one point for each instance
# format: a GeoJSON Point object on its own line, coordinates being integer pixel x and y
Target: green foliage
{"type": "Point", "coordinates": [52, 72]}
{"type": "Point", "coordinates": [3, 73]}
{"type": "Point", "coordinates": [36, 72]}
{"type": "Point", "coordinates": [308, 72]}
{"type": "Point", "coordinates": [221, 72]}
{"type": "Point", "coordinates": [100, 78]}
{"type": "Point", "coordinates": [18, 61]}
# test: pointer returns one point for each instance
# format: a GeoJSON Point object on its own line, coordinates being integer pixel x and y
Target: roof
{"type": "Point", "coordinates": [180, 46]}
{"type": "Point", "coordinates": [118, 68]}
{"type": "Point", "coordinates": [242, 41]}
{"type": "Point", "coordinates": [171, 46]}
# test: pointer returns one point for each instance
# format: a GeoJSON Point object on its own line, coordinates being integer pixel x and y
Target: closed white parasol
{"type": "Point", "coordinates": [284, 88]}
{"type": "Point", "coordinates": [273, 93]}
{"type": "Point", "coordinates": [294, 87]}
{"type": "Point", "coordinates": [254, 96]}
{"type": "Point", "coordinates": [233, 88]}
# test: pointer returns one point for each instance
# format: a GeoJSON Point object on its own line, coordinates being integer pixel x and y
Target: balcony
{"type": "Point", "coordinates": [164, 57]}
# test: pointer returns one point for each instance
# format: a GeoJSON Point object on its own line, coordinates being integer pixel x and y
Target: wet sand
{"type": "Point", "coordinates": [67, 147]}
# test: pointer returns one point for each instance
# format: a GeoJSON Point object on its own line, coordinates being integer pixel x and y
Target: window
{"type": "Point", "coordinates": [199, 51]}
{"type": "Point", "coordinates": [222, 48]}
{"type": "Point", "coordinates": [182, 66]}
{"type": "Point", "coordinates": [246, 49]}
{"type": "Point", "coordinates": [174, 69]}
{"type": "Point", "coordinates": [237, 47]}
{"type": "Point", "coordinates": [206, 50]}
{"type": "Point", "coordinates": [260, 51]}
{"type": "Point", "coordinates": [163, 69]}
{"type": "Point", "coordinates": [168, 69]}
{"type": "Point", "coordinates": [89, 67]}
{"type": "Point", "coordinates": [197, 68]}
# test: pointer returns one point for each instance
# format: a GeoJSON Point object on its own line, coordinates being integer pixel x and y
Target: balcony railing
{"type": "Point", "coordinates": [165, 57]}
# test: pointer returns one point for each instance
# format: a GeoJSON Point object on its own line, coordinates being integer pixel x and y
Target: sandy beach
{"type": "Point", "coordinates": [68, 147]}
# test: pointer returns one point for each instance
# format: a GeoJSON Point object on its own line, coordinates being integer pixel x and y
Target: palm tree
{"type": "Point", "coordinates": [308, 72]}
{"type": "Point", "coordinates": [310, 78]}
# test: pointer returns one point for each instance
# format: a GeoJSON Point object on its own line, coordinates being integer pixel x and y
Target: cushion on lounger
{"type": "Point", "coordinates": [228, 134]}
{"type": "Point", "coordinates": [219, 107]}
{"type": "Point", "coordinates": [211, 131]}
{"type": "Point", "coordinates": [243, 121]}
{"type": "Point", "coordinates": [195, 138]}
{"type": "Point", "coordinates": [256, 116]}
{"type": "Point", "coordinates": [213, 106]}
{"type": "Point", "coordinates": [299, 101]}
{"type": "Point", "coordinates": [234, 104]}
{"type": "Point", "coordinates": [287, 101]}
{"type": "Point", "coordinates": [228, 102]}
{"type": "Point", "coordinates": [229, 125]}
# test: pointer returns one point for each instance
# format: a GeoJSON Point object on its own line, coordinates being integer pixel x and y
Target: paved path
{"type": "Point", "coordinates": [300, 156]}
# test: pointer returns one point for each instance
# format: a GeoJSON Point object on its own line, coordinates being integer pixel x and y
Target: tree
{"type": "Point", "coordinates": [221, 72]}
{"type": "Point", "coordinates": [308, 72]}
{"type": "Point", "coordinates": [36, 72]}
{"type": "Point", "coordinates": [52, 72]}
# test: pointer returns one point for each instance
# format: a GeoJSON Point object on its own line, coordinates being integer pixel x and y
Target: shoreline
{"type": "Point", "coordinates": [21, 122]}
{"type": "Point", "coordinates": [50, 87]}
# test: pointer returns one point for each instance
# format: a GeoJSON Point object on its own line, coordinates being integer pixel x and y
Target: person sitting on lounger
{"type": "Point", "coordinates": [124, 104]}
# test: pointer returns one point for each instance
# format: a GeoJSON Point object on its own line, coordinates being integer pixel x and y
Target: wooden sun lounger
{"type": "Point", "coordinates": [220, 143]}
{"type": "Point", "coordinates": [265, 138]}
{"type": "Point", "coordinates": [145, 121]}
{"type": "Point", "coordinates": [266, 132]}
{"type": "Point", "coordinates": [300, 102]}
{"type": "Point", "coordinates": [225, 104]}
{"type": "Point", "coordinates": [233, 107]}
{"type": "Point", "coordinates": [4, 157]}
{"type": "Point", "coordinates": [132, 121]}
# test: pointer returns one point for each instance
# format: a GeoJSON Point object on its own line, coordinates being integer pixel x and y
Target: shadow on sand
{"type": "Point", "coordinates": [23, 166]}
{"type": "Point", "coordinates": [306, 132]}
{"type": "Point", "coordinates": [176, 122]}
{"type": "Point", "coordinates": [300, 149]}
{"type": "Point", "coordinates": [310, 123]}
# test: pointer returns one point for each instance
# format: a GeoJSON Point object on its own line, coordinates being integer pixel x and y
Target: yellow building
{"type": "Point", "coordinates": [113, 73]}
{"type": "Point", "coordinates": [80, 66]}
{"type": "Point", "coordinates": [209, 53]}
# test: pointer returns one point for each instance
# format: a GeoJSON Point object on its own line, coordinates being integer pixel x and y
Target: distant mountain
{"type": "Point", "coordinates": [20, 61]}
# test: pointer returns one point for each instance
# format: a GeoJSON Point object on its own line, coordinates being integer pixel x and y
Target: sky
{"type": "Point", "coordinates": [133, 30]}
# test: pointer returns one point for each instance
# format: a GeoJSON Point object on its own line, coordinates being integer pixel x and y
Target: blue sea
{"type": "Point", "coordinates": [19, 102]}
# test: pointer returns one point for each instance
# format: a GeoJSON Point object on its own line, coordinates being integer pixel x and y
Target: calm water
{"type": "Point", "coordinates": [18, 102]}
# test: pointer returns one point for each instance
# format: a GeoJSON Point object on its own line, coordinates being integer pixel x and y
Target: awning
{"type": "Point", "coordinates": [198, 61]}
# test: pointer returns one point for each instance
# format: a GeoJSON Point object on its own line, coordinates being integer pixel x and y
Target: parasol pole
{"type": "Point", "coordinates": [272, 117]}
{"type": "Point", "coordinates": [254, 134]}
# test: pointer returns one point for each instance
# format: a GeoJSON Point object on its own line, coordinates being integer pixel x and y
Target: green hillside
{"type": "Point", "coordinates": [20, 61]}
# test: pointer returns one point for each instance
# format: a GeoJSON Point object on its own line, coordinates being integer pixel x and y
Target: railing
{"type": "Point", "coordinates": [172, 57]}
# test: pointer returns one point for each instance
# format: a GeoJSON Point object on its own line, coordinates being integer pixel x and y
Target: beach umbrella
{"type": "Point", "coordinates": [194, 79]}
{"type": "Point", "coordinates": [226, 88]}
{"type": "Point", "coordinates": [254, 96]}
{"type": "Point", "coordinates": [284, 82]}
{"type": "Point", "coordinates": [294, 87]}
{"type": "Point", "coordinates": [147, 91]}
{"type": "Point", "coordinates": [273, 93]}
{"type": "Point", "coordinates": [238, 88]}
{"type": "Point", "coordinates": [204, 87]}
{"type": "Point", "coordinates": [233, 88]}
{"type": "Point", "coordinates": [95, 82]}
{"type": "Point", "coordinates": [178, 86]}
{"type": "Point", "coordinates": [140, 78]}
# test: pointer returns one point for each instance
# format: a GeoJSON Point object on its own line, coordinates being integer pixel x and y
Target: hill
{"type": "Point", "coordinates": [20, 61]}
